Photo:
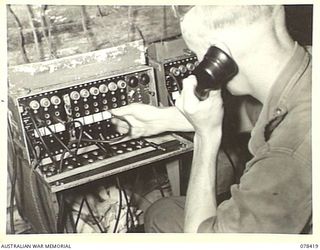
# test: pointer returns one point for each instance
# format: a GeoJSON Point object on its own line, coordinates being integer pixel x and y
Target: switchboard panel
{"type": "Point", "coordinates": [61, 112]}
{"type": "Point", "coordinates": [172, 62]}
{"type": "Point", "coordinates": [53, 119]}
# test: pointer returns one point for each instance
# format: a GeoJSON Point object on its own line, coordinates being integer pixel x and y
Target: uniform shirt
{"type": "Point", "coordinates": [275, 192]}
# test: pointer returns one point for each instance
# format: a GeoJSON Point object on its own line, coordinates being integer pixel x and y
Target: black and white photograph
{"type": "Point", "coordinates": [159, 119]}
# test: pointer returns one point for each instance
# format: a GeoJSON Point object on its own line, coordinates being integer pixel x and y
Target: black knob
{"type": "Point", "coordinates": [145, 79]}
{"type": "Point", "coordinates": [133, 82]}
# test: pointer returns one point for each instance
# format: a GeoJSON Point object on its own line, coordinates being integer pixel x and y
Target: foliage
{"type": "Point", "coordinates": [63, 30]}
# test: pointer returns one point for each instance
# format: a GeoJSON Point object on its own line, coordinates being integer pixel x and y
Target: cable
{"type": "Point", "coordinates": [79, 213]}
{"type": "Point", "coordinates": [128, 210]}
{"type": "Point", "coordinates": [58, 139]}
{"type": "Point", "coordinates": [35, 164]}
{"type": "Point", "coordinates": [92, 215]}
{"type": "Point", "coordinates": [103, 140]}
{"type": "Point", "coordinates": [61, 161]}
{"type": "Point", "coordinates": [120, 206]}
{"type": "Point", "coordinates": [70, 142]}
{"type": "Point", "coordinates": [31, 147]}
{"type": "Point", "coordinates": [66, 148]}
{"type": "Point", "coordinates": [59, 167]}
{"type": "Point", "coordinates": [94, 141]}
{"type": "Point", "coordinates": [107, 146]}
{"type": "Point", "coordinates": [33, 169]}
{"type": "Point", "coordinates": [80, 134]}
{"type": "Point", "coordinates": [74, 230]}
{"type": "Point", "coordinates": [171, 101]}
{"type": "Point", "coordinates": [43, 142]}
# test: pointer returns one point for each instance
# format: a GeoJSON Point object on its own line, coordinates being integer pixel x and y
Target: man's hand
{"type": "Point", "coordinates": [141, 117]}
{"type": "Point", "coordinates": [147, 120]}
{"type": "Point", "coordinates": [205, 116]}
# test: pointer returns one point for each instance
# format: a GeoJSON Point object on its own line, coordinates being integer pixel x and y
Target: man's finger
{"type": "Point", "coordinates": [188, 97]}
{"type": "Point", "coordinates": [121, 126]}
{"type": "Point", "coordinates": [125, 110]}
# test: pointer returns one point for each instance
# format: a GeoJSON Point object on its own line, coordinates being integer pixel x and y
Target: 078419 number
{"type": "Point", "coordinates": [309, 246]}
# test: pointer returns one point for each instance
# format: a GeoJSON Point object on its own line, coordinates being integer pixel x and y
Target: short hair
{"type": "Point", "coordinates": [204, 19]}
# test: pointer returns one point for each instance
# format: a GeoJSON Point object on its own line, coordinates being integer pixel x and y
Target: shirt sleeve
{"type": "Point", "coordinates": [274, 196]}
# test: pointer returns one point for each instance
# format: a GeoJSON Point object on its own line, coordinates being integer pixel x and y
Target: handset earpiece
{"type": "Point", "coordinates": [214, 71]}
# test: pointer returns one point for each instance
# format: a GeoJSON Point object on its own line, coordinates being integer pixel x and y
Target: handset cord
{"type": "Point", "coordinates": [112, 140]}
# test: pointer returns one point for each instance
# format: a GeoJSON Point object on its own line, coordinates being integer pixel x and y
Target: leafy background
{"type": "Point", "coordinates": [42, 32]}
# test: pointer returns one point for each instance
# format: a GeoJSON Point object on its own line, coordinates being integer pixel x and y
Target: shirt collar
{"type": "Point", "coordinates": [278, 95]}
{"type": "Point", "coordinates": [277, 100]}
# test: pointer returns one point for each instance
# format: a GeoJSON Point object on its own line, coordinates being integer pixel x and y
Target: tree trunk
{"type": "Point", "coordinates": [99, 11]}
{"type": "Point", "coordinates": [87, 32]}
{"type": "Point", "coordinates": [46, 30]}
{"type": "Point", "coordinates": [22, 42]}
{"type": "Point", "coordinates": [34, 31]}
{"type": "Point", "coordinates": [165, 25]}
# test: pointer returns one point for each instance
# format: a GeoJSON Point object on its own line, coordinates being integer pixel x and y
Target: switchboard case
{"type": "Point", "coordinates": [59, 112]}
{"type": "Point", "coordinates": [172, 61]}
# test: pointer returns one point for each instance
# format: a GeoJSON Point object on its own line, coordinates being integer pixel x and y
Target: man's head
{"type": "Point", "coordinates": [244, 31]}
{"type": "Point", "coordinates": [203, 25]}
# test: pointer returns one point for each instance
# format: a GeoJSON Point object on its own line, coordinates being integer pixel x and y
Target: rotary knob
{"type": "Point", "coordinates": [74, 95]}
{"type": "Point", "coordinates": [133, 81]}
{"type": "Point", "coordinates": [145, 79]}
{"type": "Point", "coordinates": [84, 93]}
{"type": "Point", "coordinates": [45, 102]}
{"type": "Point", "coordinates": [175, 71]}
{"type": "Point", "coordinates": [55, 100]}
{"type": "Point", "coordinates": [112, 86]}
{"type": "Point", "coordinates": [103, 88]}
{"type": "Point", "coordinates": [190, 66]}
{"type": "Point", "coordinates": [94, 91]}
{"type": "Point", "coordinates": [122, 84]}
{"type": "Point", "coordinates": [34, 105]}
{"type": "Point", "coordinates": [183, 69]}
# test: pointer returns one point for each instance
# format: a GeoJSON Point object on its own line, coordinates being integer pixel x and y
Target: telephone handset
{"type": "Point", "coordinates": [214, 71]}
